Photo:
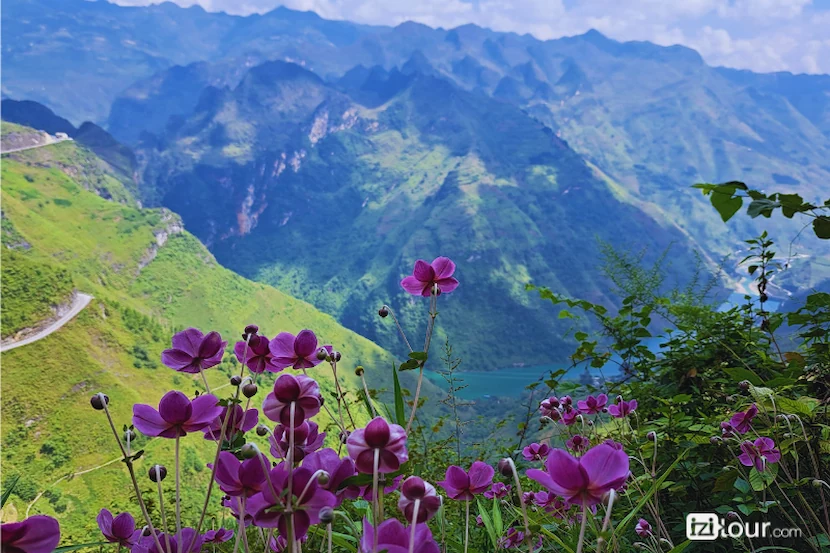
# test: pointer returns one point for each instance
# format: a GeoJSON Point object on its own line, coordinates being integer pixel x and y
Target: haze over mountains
{"type": "Point", "coordinates": [324, 156]}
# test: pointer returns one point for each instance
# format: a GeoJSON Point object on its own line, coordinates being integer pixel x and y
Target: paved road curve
{"type": "Point", "coordinates": [53, 140]}
{"type": "Point", "coordinates": [81, 301]}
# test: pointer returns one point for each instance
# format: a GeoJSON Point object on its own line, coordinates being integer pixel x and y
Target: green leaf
{"type": "Point", "coordinates": [488, 523]}
{"type": "Point", "coordinates": [498, 524]}
{"type": "Point", "coordinates": [742, 485]}
{"type": "Point", "coordinates": [725, 201]}
{"type": "Point", "coordinates": [761, 480]}
{"type": "Point", "coordinates": [418, 355]}
{"type": "Point", "coordinates": [761, 207]}
{"type": "Point", "coordinates": [742, 373]}
{"type": "Point", "coordinates": [648, 495]}
{"type": "Point", "coordinates": [400, 416]}
{"type": "Point", "coordinates": [8, 491]}
{"type": "Point", "coordinates": [681, 547]}
{"type": "Point", "coordinates": [409, 365]}
{"type": "Point", "coordinates": [821, 226]}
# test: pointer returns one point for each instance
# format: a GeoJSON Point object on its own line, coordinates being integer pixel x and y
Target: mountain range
{"type": "Point", "coordinates": [324, 157]}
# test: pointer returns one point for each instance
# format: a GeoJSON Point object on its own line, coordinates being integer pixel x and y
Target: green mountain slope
{"type": "Point", "coordinates": [148, 277]}
{"type": "Point", "coordinates": [291, 181]}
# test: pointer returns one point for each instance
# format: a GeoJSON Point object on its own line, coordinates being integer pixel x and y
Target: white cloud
{"type": "Point", "coordinates": [762, 35]}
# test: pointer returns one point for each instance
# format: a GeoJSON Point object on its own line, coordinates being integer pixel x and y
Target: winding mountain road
{"type": "Point", "coordinates": [51, 140]}
{"type": "Point", "coordinates": [81, 300]}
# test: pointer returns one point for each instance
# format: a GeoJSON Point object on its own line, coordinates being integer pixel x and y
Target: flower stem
{"type": "Point", "coordinates": [131, 470]}
{"type": "Point", "coordinates": [521, 502]}
{"type": "Point", "coordinates": [601, 540]}
{"type": "Point", "coordinates": [414, 524]}
{"type": "Point", "coordinates": [375, 509]}
{"type": "Point", "coordinates": [433, 303]}
{"type": "Point", "coordinates": [178, 493]}
{"type": "Point", "coordinates": [581, 541]}
{"type": "Point", "coordinates": [204, 378]}
{"type": "Point", "coordinates": [162, 509]}
{"type": "Point", "coordinates": [242, 516]}
{"type": "Point", "coordinates": [466, 524]}
{"type": "Point", "coordinates": [290, 460]}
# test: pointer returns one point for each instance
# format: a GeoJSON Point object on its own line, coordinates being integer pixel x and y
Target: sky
{"type": "Point", "coordinates": [760, 35]}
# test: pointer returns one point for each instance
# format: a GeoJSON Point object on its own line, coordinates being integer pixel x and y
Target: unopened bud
{"type": "Point", "coordinates": [358, 370]}
{"type": "Point", "coordinates": [744, 385]}
{"type": "Point", "coordinates": [248, 451]}
{"type": "Point", "coordinates": [652, 435]}
{"type": "Point", "coordinates": [732, 516]}
{"type": "Point", "coordinates": [817, 483]}
{"type": "Point", "coordinates": [590, 423]}
{"type": "Point", "coordinates": [98, 401]}
{"type": "Point", "coordinates": [249, 390]}
{"type": "Point", "coordinates": [336, 355]}
{"type": "Point", "coordinates": [505, 467]}
{"type": "Point", "coordinates": [326, 515]}
{"type": "Point", "coordinates": [322, 354]}
{"type": "Point", "coordinates": [261, 430]}
{"type": "Point", "coordinates": [251, 329]}
{"type": "Point", "coordinates": [236, 380]}
{"type": "Point", "coordinates": [158, 473]}
{"type": "Point", "coordinates": [383, 311]}
{"type": "Point", "coordinates": [344, 436]}
{"type": "Point", "coordinates": [323, 478]}
{"type": "Point", "coordinates": [714, 440]}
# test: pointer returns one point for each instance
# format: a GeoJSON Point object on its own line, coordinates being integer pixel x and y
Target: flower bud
{"type": "Point", "coordinates": [744, 385]}
{"type": "Point", "coordinates": [249, 390]}
{"type": "Point", "coordinates": [251, 329]}
{"type": "Point", "coordinates": [732, 516]}
{"type": "Point", "coordinates": [336, 355]}
{"type": "Point", "coordinates": [590, 423]}
{"type": "Point", "coordinates": [236, 380]}
{"type": "Point", "coordinates": [145, 531]}
{"type": "Point", "coordinates": [158, 473]}
{"type": "Point", "coordinates": [714, 440]}
{"type": "Point", "coordinates": [326, 515]}
{"type": "Point", "coordinates": [248, 451]}
{"type": "Point", "coordinates": [322, 354]}
{"type": "Point", "coordinates": [763, 297]}
{"type": "Point", "coordinates": [383, 312]}
{"type": "Point", "coordinates": [323, 478]}
{"type": "Point", "coordinates": [344, 436]}
{"type": "Point", "coordinates": [652, 435]}
{"type": "Point", "coordinates": [359, 370]}
{"type": "Point", "coordinates": [816, 483]}
{"type": "Point", "coordinates": [505, 467]}
{"type": "Point", "coordinates": [98, 401]}
{"type": "Point", "coordinates": [261, 430]}
{"type": "Point", "coordinates": [414, 488]}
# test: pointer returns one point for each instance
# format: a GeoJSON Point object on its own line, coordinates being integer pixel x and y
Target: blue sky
{"type": "Point", "coordinates": [761, 35]}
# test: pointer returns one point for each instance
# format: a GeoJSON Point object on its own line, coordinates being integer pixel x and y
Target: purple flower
{"type": "Point", "coordinates": [643, 528]}
{"type": "Point", "coordinates": [302, 391]}
{"type": "Point", "coordinates": [120, 530]}
{"type": "Point", "coordinates": [381, 439]}
{"type": "Point", "coordinates": [426, 275]}
{"type": "Point", "coordinates": [566, 401]}
{"type": "Point", "coordinates": [238, 421]}
{"type": "Point", "coordinates": [583, 481]}
{"type": "Point", "coordinates": [513, 538]}
{"type": "Point", "coordinates": [218, 536]}
{"type": "Point", "coordinates": [298, 351]}
{"type": "Point", "coordinates": [592, 405]}
{"type": "Point", "coordinates": [548, 406]}
{"type": "Point", "coordinates": [338, 469]}
{"type": "Point", "coordinates": [536, 452]}
{"type": "Point", "coordinates": [578, 443]}
{"type": "Point", "coordinates": [193, 351]}
{"type": "Point", "coordinates": [759, 453]}
{"type": "Point", "coordinates": [279, 544]}
{"type": "Point", "coordinates": [367, 491]}
{"type": "Point", "coordinates": [146, 544]}
{"type": "Point", "coordinates": [622, 408]}
{"type": "Point", "coordinates": [726, 430]}
{"type": "Point", "coordinates": [461, 485]}
{"type": "Point", "coordinates": [308, 498]}
{"type": "Point", "coordinates": [232, 503]}
{"type": "Point", "coordinates": [742, 422]}
{"type": "Point", "coordinates": [37, 534]}
{"type": "Point", "coordinates": [306, 440]}
{"type": "Point", "coordinates": [244, 478]}
{"type": "Point", "coordinates": [259, 355]}
{"type": "Point", "coordinates": [414, 488]}
{"type": "Point", "coordinates": [479, 521]}
{"type": "Point", "coordinates": [528, 498]}
{"type": "Point", "coordinates": [569, 416]}
{"type": "Point", "coordinates": [393, 537]}
{"type": "Point", "coordinates": [176, 415]}
{"type": "Point", "coordinates": [498, 490]}
{"type": "Point", "coordinates": [551, 504]}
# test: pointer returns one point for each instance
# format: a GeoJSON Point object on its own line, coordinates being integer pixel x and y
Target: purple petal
{"type": "Point", "coordinates": [282, 346]}
{"type": "Point", "coordinates": [123, 526]}
{"type": "Point", "coordinates": [481, 476]}
{"type": "Point", "coordinates": [204, 409]}
{"type": "Point", "coordinates": [175, 407]}
{"type": "Point", "coordinates": [447, 285]}
{"type": "Point", "coordinates": [188, 341]}
{"type": "Point", "coordinates": [377, 433]}
{"type": "Point", "coordinates": [210, 346]}
{"type": "Point", "coordinates": [423, 271]}
{"type": "Point", "coordinates": [37, 534]}
{"type": "Point", "coordinates": [305, 344]}
{"type": "Point", "coordinates": [414, 286]}
{"type": "Point", "coordinates": [443, 267]}
{"type": "Point", "coordinates": [176, 359]}
{"type": "Point", "coordinates": [105, 523]}
{"type": "Point", "coordinates": [148, 421]}
{"type": "Point", "coordinates": [605, 466]}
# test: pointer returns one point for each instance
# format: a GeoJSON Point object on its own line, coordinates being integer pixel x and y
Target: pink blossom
{"type": "Point", "coordinates": [427, 275]}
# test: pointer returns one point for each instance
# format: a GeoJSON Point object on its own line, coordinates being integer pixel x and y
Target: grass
{"type": "Point", "coordinates": [143, 292]}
